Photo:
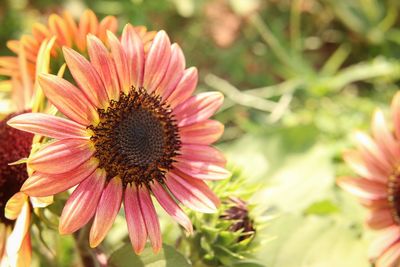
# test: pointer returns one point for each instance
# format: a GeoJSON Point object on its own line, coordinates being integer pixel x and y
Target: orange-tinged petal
{"type": "Point", "coordinates": [202, 133]}
{"type": "Point", "coordinates": [60, 29]}
{"type": "Point", "coordinates": [386, 238]}
{"type": "Point", "coordinates": [390, 257]}
{"type": "Point", "coordinates": [14, 205]}
{"type": "Point", "coordinates": [150, 218]}
{"type": "Point", "coordinates": [133, 47]}
{"type": "Point", "coordinates": [173, 74]}
{"type": "Point", "coordinates": [192, 193]}
{"type": "Point", "coordinates": [356, 161]}
{"type": "Point", "coordinates": [24, 255]}
{"type": "Point", "coordinates": [184, 88]}
{"type": "Point", "coordinates": [384, 137]}
{"type": "Point", "coordinates": [104, 65]}
{"type": "Point", "coordinates": [363, 188]}
{"type": "Point", "coordinates": [201, 153]}
{"type": "Point", "coordinates": [48, 125]}
{"type": "Point", "coordinates": [82, 203]}
{"type": "Point", "coordinates": [107, 209]}
{"type": "Point", "coordinates": [68, 153]}
{"type": "Point", "coordinates": [42, 184]}
{"type": "Point", "coordinates": [198, 108]}
{"type": "Point", "coordinates": [87, 24]}
{"type": "Point", "coordinates": [41, 202]}
{"type": "Point", "coordinates": [380, 218]}
{"type": "Point", "coordinates": [157, 61]}
{"type": "Point", "coordinates": [86, 77]}
{"type": "Point", "coordinates": [134, 218]}
{"type": "Point", "coordinates": [68, 99]}
{"type": "Point", "coordinates": [171, 207]}
{"type": "Point", "coordinates": [109, 23]}
{"type": "Point", "coordinates": [121, 62]}
{"type": "Point", "coordinates": [202, 170]}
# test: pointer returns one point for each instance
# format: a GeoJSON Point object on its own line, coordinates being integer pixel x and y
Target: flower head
{"type": "Point", "coordinates": [133, 130]}
{"type": "Point", "coordinates": [376, 161]}
{"type": "Point", "coordinates": [22, 68]}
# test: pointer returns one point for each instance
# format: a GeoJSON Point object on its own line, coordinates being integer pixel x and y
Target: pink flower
{"type": "Point", "coordinates": [376, 161]}
{"type": "Point", "coordinates": [133, 130]}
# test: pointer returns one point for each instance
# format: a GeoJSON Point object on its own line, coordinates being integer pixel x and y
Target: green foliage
{"type": "Point", "coordinates": [168, 257]}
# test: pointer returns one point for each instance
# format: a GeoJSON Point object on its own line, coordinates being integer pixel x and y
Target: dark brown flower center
{"type": "Point", "coordinates": [238, 214]}
{"type": "Point", "coordinates": [14, 145]}
{"type": "Point", "coordinates": [394, 195]}
{"type": "Point", "coordinates": [137, 138]}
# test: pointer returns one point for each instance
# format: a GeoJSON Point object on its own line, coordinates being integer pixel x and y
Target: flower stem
{"type": "Point", "coordinates": [86, 254]}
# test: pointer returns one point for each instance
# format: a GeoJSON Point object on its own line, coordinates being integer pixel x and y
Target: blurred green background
{"type": "Point", "coordinates": [299, 77]}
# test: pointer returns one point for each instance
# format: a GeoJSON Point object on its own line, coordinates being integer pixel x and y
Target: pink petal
{"type": "Point", "coordinates": [107, 210]}
{"type": "Point", "coordinates": [202, 170]}
{"type": "Point", "coordinates": [198, 108]}
{"type": "Point", "coordinates": [42, 184]}
{"type": "Point", "coordinates": [370, 150]}
{"type": "Point", "coordinates": [121, 62]}
{"type": "Point", "coordinates": [86, 77]}
{"type": "Point", "coordinates": [157, 61]}
{"type": "Point", "coordinates": [202, 133]}
{"type": "Point", "coordinates": [68, 99]}
{"type": "Point", "coordinates": [67, 154]}
{"type": "Point", "coordinates": [134, 218]}
{"type": "Point", "coordinates": [173, 73]}
{"type": "Point", "coordinates": [184, 88]}
{"type": "Point", "coordinates": [387, 237]}
{"type": "Point", "coordinates": [396, 114]}
{"type": "Point", "coordinates": [194, 194]}
{"type": "Point", "coordinates": [390, 257]}
{"type": "Point", "coordinates": [48, 125]}
{"type": "Point", "coordinates": [104, 65]}
{"type": "Point", "coordinates": [363, 188]}
{"type": "Point", "coordinates": [356, 161]}
{"type": "Point", "coordinates": [133, 47]}
{"type": "Point", "coordinates": [82, 203]}
{"type": "Point", "coordinates": [201, 153]}
{"type": "Point", "coordinates": [384, 137]}
{"type": "Point", "coordinates": [150, 218]}
{"type": "Point", "coordinates": [171, 207]}
{"type": "Point", "coordinates": [380, 218]}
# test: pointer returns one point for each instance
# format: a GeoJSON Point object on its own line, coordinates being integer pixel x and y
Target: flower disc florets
{"type": "Point", "coordinates": [137, 138]}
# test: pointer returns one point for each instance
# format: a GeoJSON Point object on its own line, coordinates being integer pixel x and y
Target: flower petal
{"type": "Point", "coordinates": [121, 62]}
{"type": "Point", "coordinates": [68, 153]}
{"type": "Point", "coordinates": [363, 188]}
{"type": "Point", "coordinates": [42, 184]}
{"type": "Point", "coordinates": [194, 194]}
{"type": "Point", "coordinates": [390, 257]}
{"type": "Point", "coordinates": [202, 133]}
{"type": "Point", "coordinates": [82, 203]}
{"type": "Point", "coordinates": [134, 218]}
{"type": "Point", "coordinates": [184, 88]}
{"type": "Point", "coordinates": [133, 47]}
{"type": "Point", "coordinates": [107, 209]}
{"type": "Point", "coordinates": [202, 170]}
{"type": "Point", "coordinates": [14, 205]}
{"type": "Point", "coordinates": [173, 74]}
{"type": "Point", "coordinates": [396, 114]}
{"type": "Point", "coordinates": [48, 125]}
{"type": "Point", "coordinates": [171, 207]}
{"type": "Point", "coordinates": [68, 99]}
{"type": "Point", "coordinates": [150, 218]}
{"type": "Point", "coordinates": [198, 108]}
{"type": "Point", "coordinates": [387, 237]}
{"type": "Point", "coordinates": [157, 61]}
{"type": "Point", "coordinates": [356, 161]}
{"type": "Point", "coordinates": [86, 77]}
{"type": "Point", "coordinates": [380, 218]}
{"type": "Point", "coordinates": [104, 65]}
{"type": "Point", "coordinates": [20, 230]}
{"type": "Point", "coordinates": [201, 153]}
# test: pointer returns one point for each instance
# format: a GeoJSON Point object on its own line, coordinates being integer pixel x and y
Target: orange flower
{"type": "Point", "coordinates": [376, 161]}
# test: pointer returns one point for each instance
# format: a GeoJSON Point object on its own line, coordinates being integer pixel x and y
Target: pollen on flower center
{"type": "Point", "coordinates": [14, 145]}
{"type": "Point", "coordinates": [137, 138]}
{"type": "Point", "coordinates": [394, 195]}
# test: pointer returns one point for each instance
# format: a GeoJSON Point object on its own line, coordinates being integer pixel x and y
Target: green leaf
{"type": "Point", "coordinates": [167, 257]}
{"type": "Point", "coordinates": [323, 207]}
